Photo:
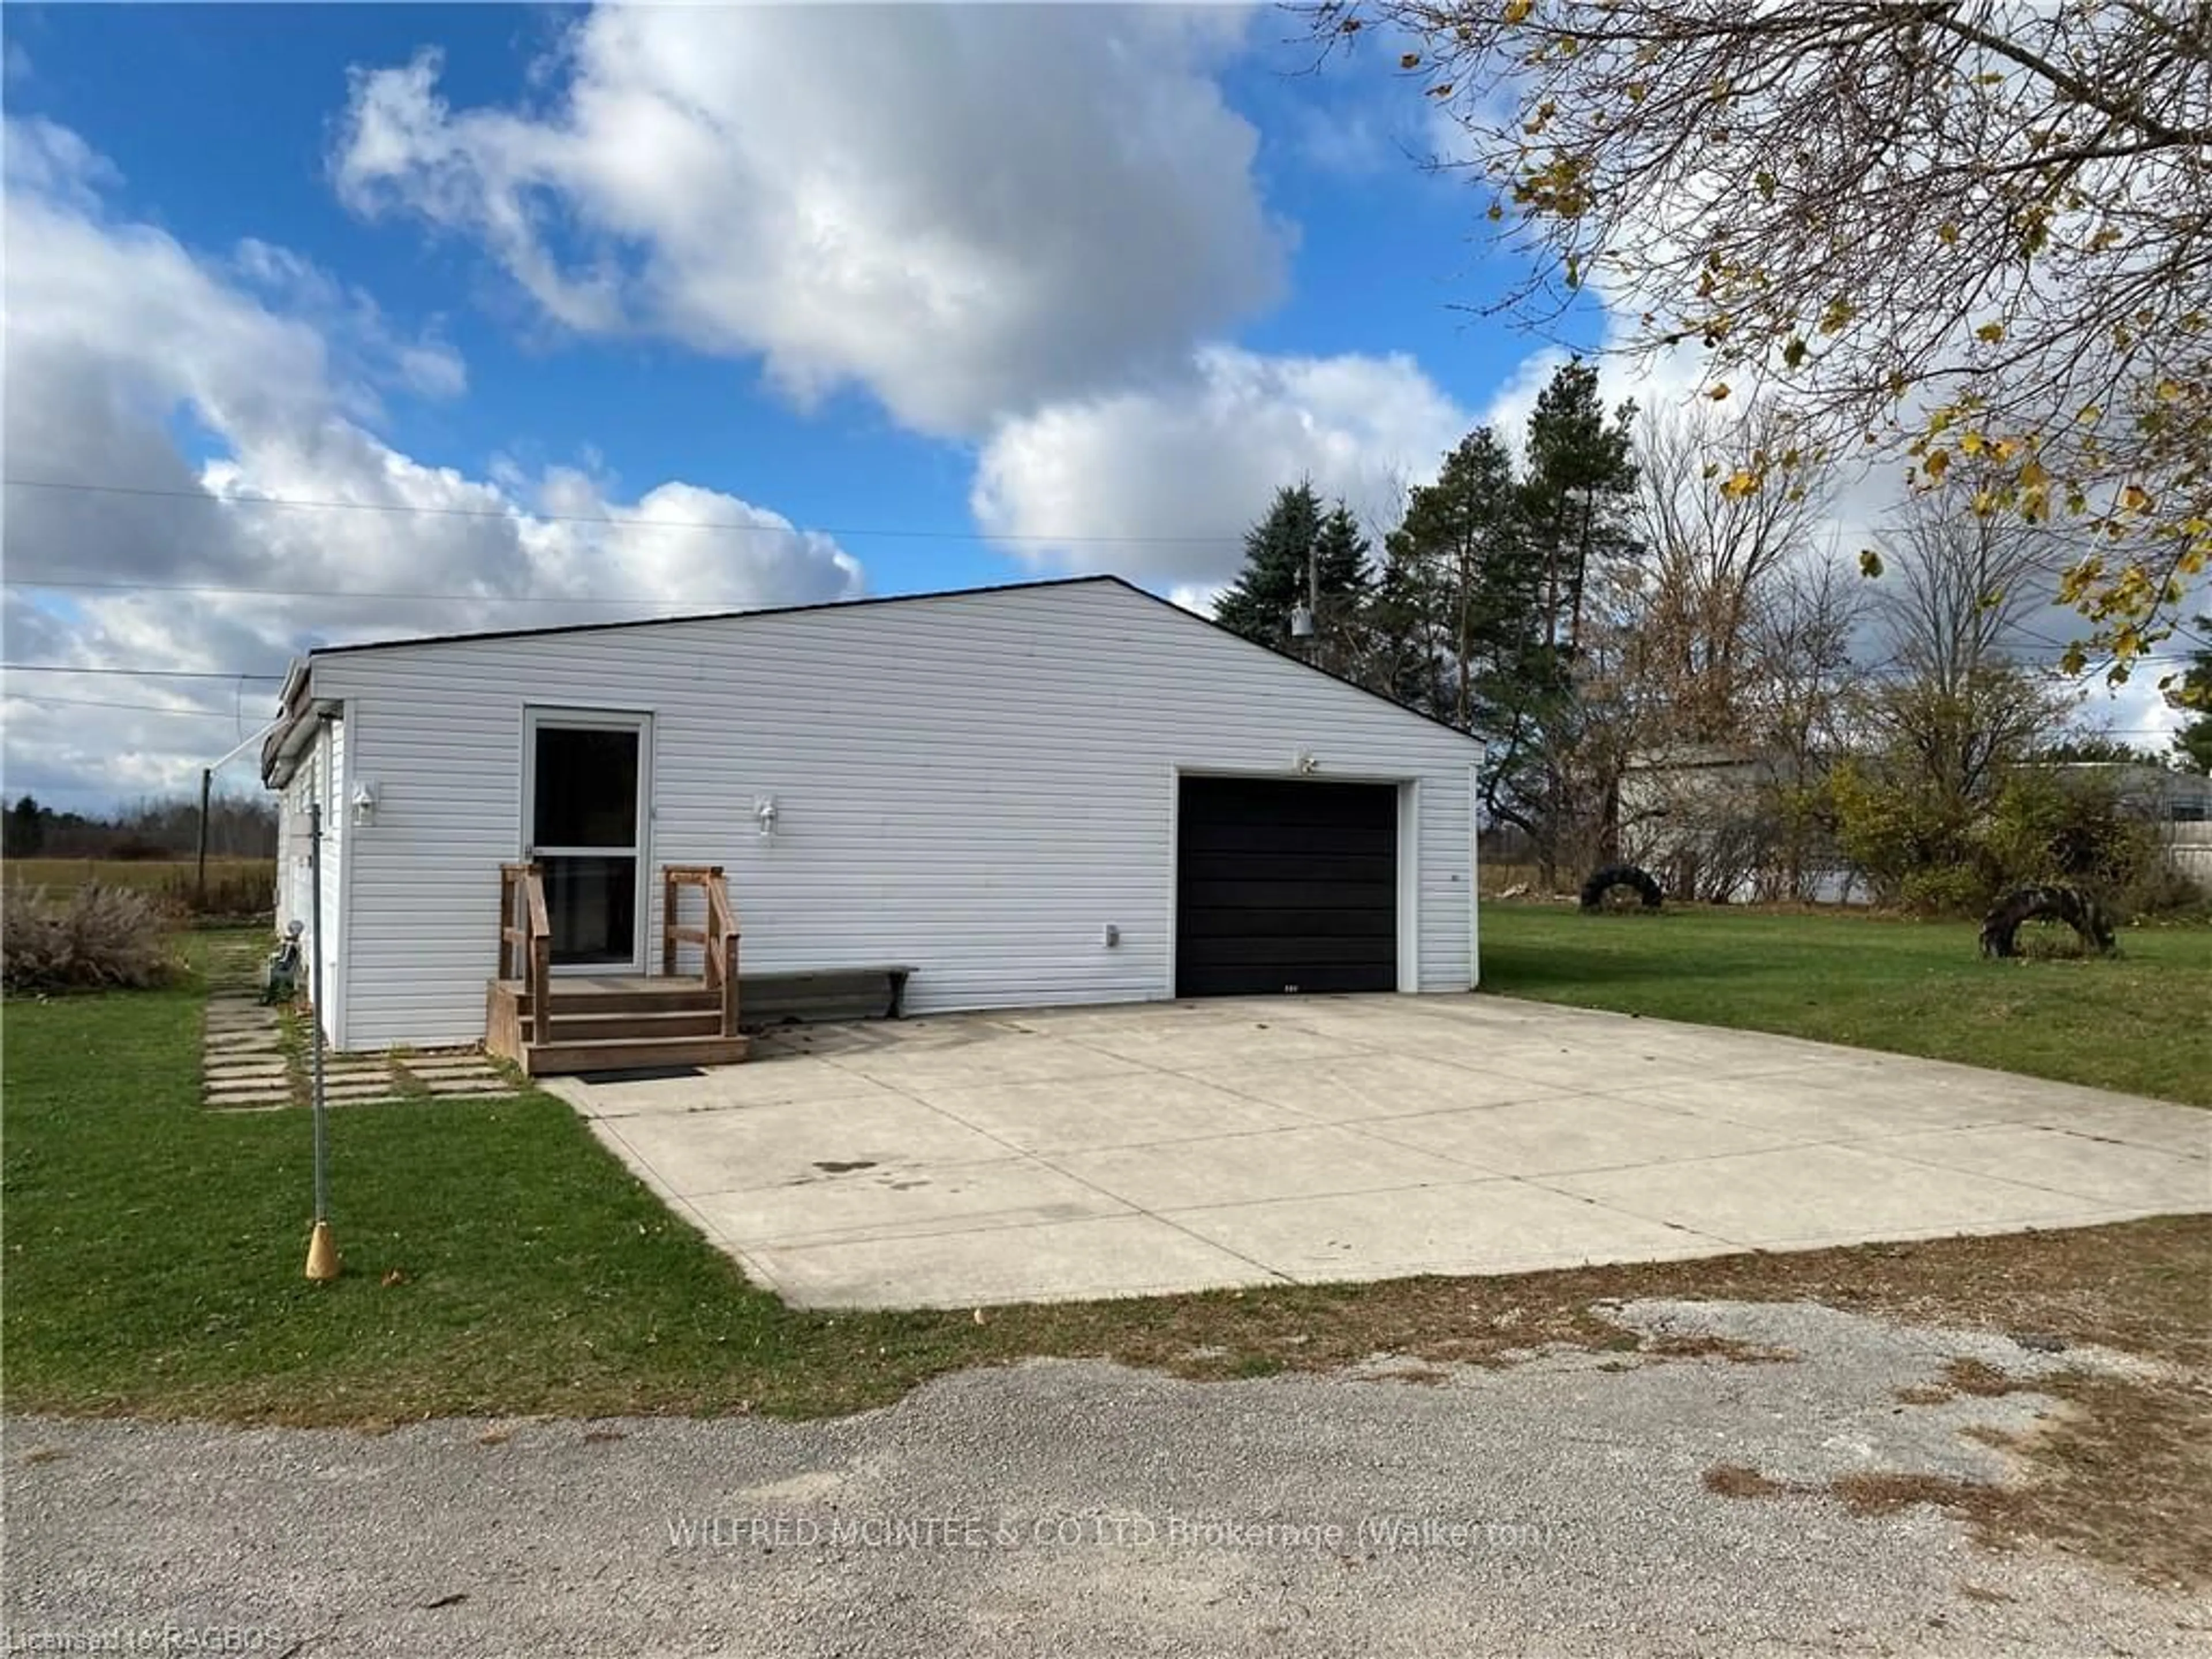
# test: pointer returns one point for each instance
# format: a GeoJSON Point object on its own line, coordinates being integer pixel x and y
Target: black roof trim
{"type": "Point", "coordinates": [899, 598]}
{"type": "Point", "coordinates": [861, 603]}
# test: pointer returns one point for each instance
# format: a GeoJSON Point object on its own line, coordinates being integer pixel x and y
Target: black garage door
{"type": "Point", "coordinates": [1285, 886]}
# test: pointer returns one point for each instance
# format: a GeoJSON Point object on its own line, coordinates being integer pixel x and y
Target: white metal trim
{"type": "Point", "coordinates": [1409, 803]}
{"type": "Point", "coordinates": [342, 794]}
{"type": "Point", "coordinates": [1474, 879]}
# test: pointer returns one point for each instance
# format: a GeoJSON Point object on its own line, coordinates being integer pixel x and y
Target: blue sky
{"type": "Point", "coordinates": [581, 313]}
{"type": "Point", "coordinates": [1037, 289]}
{"type": "Point", "coordinates": [916, 298]}
{"type": "Point", "coordinates": [220, 122]}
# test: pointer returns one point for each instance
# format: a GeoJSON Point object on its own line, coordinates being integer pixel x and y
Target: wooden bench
{"type": "Point", "coordinates": [814, 993]}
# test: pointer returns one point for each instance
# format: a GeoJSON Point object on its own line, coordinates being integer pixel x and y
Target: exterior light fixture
{"type": "Point", "coordinates": [1302, 622]}
{"type": "Point", "coordinates": [764, 814]}
{"type": "Point", "coordinates": [364, 800]}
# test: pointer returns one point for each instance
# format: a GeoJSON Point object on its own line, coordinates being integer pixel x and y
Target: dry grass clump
{"type": "Point", "coordinates": [94, 939]}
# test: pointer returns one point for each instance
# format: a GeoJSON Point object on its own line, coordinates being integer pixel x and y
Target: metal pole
{"type": "Point", "coordinates": [207, 784]}
{"type": "Point", "coordinates": [315, 997]}
{"type": "Point", "coordinates": [322, 1254]}
{"type": "Point", "coordinates": [1313, 596]}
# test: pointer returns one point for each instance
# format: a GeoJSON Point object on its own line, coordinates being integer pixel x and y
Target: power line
{"type": "Point", "coordinates": [126, 707]}
{"type": "Point", "coordinates": [72, 585]}
{"type": "Point", "coordinates": [134, 673]}
{"type": "Point", "coordinates": [68, 585]}
{"type": "Point", "coordinates": [611, 520]}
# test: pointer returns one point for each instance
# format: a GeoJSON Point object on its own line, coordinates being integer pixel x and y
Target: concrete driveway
{"type": "Point", "coordinates": [978, 1158]}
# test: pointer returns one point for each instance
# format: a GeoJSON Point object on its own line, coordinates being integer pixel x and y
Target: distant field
{"type": "Point", "coordinates": [252, 881]}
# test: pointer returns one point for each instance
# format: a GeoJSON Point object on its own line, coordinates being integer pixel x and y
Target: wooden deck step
{"type": "Point", "coordinates": [620, 1053]}
{"type": "Point", "coordinates": [594, 1024]}
{"type": "Point", "coordinates": [683, 996]}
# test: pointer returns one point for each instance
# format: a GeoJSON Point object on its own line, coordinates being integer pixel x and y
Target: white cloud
{"type": "Point", "coordinates": [1183, 467]}
{"type": "Point", "coordinates": [120, 339]}
{"type": "Point", "coordinates": [966, 210]}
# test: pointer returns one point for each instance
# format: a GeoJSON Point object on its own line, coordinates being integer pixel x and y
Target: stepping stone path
{"type": "Point", "coordinates": [246, 1067]}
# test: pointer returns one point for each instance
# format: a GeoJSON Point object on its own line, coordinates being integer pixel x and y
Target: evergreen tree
{"type": "Point", "coordinates": [25, 828]}
{"type": "Point", "coordinates": [1295, 537]}
{"type": "Point", "coordinates": [1459, 595]}
{"type": "Point", "coordinates": [1553, 771]}
{"type": "Point", "coordinates": [1579, 494]}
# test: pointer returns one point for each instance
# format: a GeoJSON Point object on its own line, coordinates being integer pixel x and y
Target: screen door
{"type": "Point", "coordinates": [584, 806]}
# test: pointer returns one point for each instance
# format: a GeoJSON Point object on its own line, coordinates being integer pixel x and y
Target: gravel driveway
{"type": "Point", "coordinates": [1556, 1507]}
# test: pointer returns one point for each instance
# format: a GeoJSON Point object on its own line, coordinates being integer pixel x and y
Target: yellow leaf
{"type": "Point", "coordinates": [1991, 331]}
{"type": "Point", "coordinates": [1742, 483]}
{"type": "Point", "coordinates": [1869, 562]}
{"type": "Point", "coordinates": [2136, 498]}
{"type": "Point", "coordinates": [1947, 235]}
{"type": "Point", "coordinates": [2168, 391]}
{"type": "Point", "coordinates": [2005, 448]}
{"type": "Point", "coordinates": [1970, 444]}
{"type": "Point", "coordinates": [1937, 462]}
{"type": "Point", "coordinates": [2033, 476]}
{"type": "Point", "coordinates": [1719, 392]}
{"type": "Point", "coordinates": [1411, 60]}
{"type": "Point", "coordinates": [1518, 11]}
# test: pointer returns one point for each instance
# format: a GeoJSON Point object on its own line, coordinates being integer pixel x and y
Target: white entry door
{"type": "Point", "coordinates": [585, 789]}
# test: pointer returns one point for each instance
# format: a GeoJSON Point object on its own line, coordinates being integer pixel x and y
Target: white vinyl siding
{"type": "Point", "coordinates": [975, 785]}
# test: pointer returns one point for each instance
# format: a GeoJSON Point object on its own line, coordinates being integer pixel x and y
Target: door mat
{"type": "Point", "coordinates": [639, 1074]}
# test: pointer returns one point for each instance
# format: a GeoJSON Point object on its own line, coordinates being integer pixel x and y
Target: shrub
{"type": "Point", "coordinates": [101, 937]}
{"type": "Point", "coordinates": [1937, 856]}
{"type": "Point", "coordinates": [1914, 846]}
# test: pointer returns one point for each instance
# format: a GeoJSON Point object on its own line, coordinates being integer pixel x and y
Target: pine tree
{"type": "Point", "coordinates": [1458, 594]}
{"type": "Point", "coordinates": [1298, 536]}
{"type": "Point", "coordinates": [1578, 495]}
{"type": "Point", "coordinates": [1577, 502]}
{"type": "Point", "coordinates": [25, 828]}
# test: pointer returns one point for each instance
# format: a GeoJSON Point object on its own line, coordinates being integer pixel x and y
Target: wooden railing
{"type": "Point", "coordinates": [525, 942]}
{"type": "Point", "coordinates": [716, 935]}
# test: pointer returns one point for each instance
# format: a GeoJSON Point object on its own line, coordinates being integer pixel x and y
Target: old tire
{"type": "Point", "coordinates": [1619, 875]}
{"type": "Point", "coordinates": [2077, 910]}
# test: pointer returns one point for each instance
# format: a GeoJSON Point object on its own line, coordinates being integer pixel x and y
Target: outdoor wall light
{"type": "Point", "coordinates": [764, 813]}
{"type": "Point", "coordinates": [364, 802]}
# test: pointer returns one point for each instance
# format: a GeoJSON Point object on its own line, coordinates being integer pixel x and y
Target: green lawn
{"type": "Point", "coordinates": [498, 1261]}
{"type": "Point", "coordinates": [2140, 1022]}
